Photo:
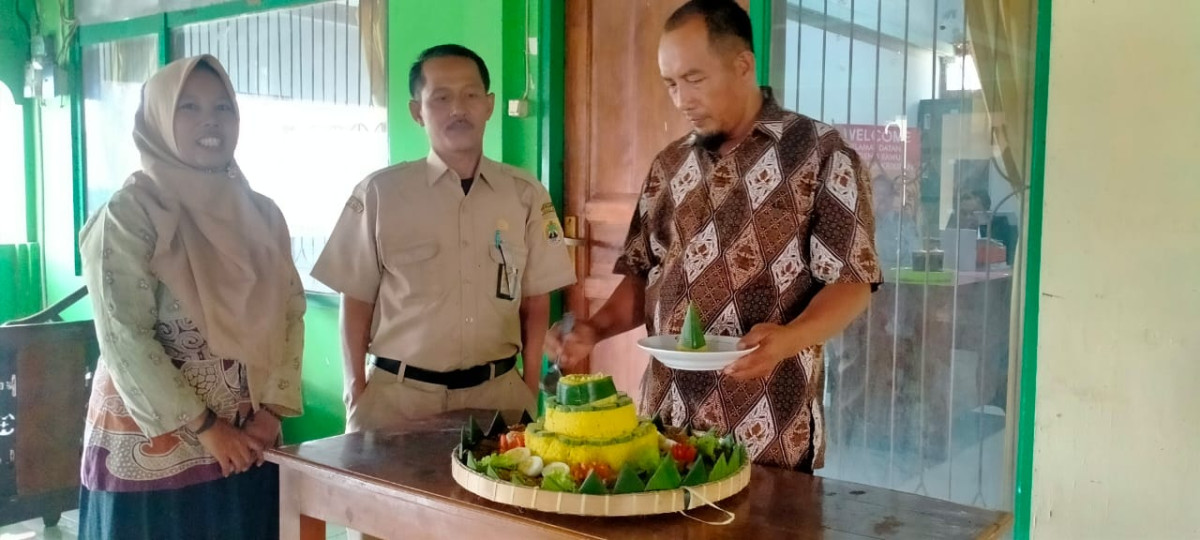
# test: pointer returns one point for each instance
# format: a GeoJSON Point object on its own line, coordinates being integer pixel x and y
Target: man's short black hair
{"type": "Point", "coordinates": [726, 21]}
{"type": "Point", "coordinates": [416, 74]}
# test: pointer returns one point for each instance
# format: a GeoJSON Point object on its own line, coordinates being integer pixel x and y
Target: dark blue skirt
{"type": "Point", "coordinates": [243, 506]}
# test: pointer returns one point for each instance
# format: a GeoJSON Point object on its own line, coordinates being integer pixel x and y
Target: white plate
{"type": "Point", "coordinates": [722, 351]}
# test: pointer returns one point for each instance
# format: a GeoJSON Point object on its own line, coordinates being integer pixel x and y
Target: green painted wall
{"type": "Point", "coordinates": [415, 25]}
{"type": "Point", "coordinates": [521, 142]}
{"type": "Point", "coordinates": [495, 30]}
{"type": "Point", "coordinates": [20, 280]}
{"type": "Point", "coordinates": [324, 414]}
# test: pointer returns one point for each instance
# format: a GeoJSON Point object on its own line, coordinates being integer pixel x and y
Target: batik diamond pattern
{"type": "Point", "coordinates": [825, 265]}
{"type": "Point", "coordinates": [657, 248]}
{"type": "Point", "coordinates": [654, 275]}
{"type": "Point", "coordinates": [842, 181]}
{"type": "Point", "coordinates": [812, 364]}
{"type": "Point", "coordinates": [710, 413]}
{"type": "Point", "coordinates": [776, 224]}
{"type": "Point", "coordinates": [686, 179]}
{"type": "Point", "coordinates": [701, 252]}
{"type": "Point", "coordinates": [788, 266]}
{"type": "Point", "coordinates": [733, 216]}
{"type": "Point", "coordinates": [796, 437]}
{"type": "Point", "coordinates": [711, 290]}
{"type": "Point", "coordinates": [727, 323]}
{"type": "Point", "coordinates": [741, 396]}
{"type": "Point", "coordinates": [838, 229]}
{"type": "Point", "coordinates": [864, 250]}
{"type": "Point", "coordinates": [692, 218]}
{"type": "Point", "coordinates": [785, 399]}
{"type": "Point", "coordinates": [668, 319]}
{"type": "Point", "coordinates": [776, 129]}
{"type": "Point", "coordinates": [744, 259]}
{"type": "Point", "coordinates": [757, 429]}
{"type": "Point", "coordinates": [673, 410]}
{"type": "Point", "coordinates": [699, 384]}
{"type": "Point", "coordinates": [804, 184]}
{"type": "Point", "coordinates": [651, 189]}
{"type": "Point", "coordinates": [756, 301]}
{"type": "Point", "coordinates": [723, 181]}
{"type": "Point", "coordinates": [763, 178]}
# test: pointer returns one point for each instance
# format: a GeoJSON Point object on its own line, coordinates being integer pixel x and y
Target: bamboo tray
{"type": "Point", "coordinates": [629, 504]}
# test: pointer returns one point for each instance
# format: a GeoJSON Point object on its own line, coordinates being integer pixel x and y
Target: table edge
{"type": "Point", "coordinates": [411, 495]}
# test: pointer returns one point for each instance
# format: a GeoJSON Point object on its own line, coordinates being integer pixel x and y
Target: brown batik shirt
{"type": "Point", "coordinates": [751, 237]}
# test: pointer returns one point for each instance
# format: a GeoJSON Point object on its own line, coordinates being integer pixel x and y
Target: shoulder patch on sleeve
{"type": "Point", "coordinates": [554, 233]}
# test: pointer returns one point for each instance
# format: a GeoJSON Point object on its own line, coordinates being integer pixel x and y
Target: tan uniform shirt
{"type": "Point", "coordinates": [429, 258]}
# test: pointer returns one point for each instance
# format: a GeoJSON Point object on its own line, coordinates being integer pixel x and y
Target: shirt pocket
{"type": "Point", "coordinates": [414, 271]}
{"type": "Point", "coordinates": [512, 258]}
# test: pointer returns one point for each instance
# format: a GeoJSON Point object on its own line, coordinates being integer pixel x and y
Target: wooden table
{"type": "Point", "coordinates": [398, 484]}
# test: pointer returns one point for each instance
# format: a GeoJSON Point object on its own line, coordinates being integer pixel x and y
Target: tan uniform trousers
{"type": "Point", "coordinates": [389, 402]}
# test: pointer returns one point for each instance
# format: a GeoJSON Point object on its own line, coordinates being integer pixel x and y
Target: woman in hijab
{"type": "Point", "coordinates": [198, 311]}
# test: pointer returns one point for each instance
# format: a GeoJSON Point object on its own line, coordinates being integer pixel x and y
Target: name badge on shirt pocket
{"type": "Point", "coordinates": [416, 267]}
{"type": "Point", "coordinates": [510, 267]}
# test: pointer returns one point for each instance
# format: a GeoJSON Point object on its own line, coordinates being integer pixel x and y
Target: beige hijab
{"type": "Point", "coordinates": [222, 250]}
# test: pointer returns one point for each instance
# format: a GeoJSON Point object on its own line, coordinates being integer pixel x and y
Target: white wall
{"type": "Point", "coordinates": [1117, 443]}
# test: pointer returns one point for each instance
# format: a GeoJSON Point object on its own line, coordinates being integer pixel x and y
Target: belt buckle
{"type": "Point", "coordinates": [458, 379]}
{"type": "Point", "coordinates": [466, 378]}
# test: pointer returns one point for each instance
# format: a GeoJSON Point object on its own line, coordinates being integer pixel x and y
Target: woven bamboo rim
{"type": "Point", "coordinates": [629, 504]}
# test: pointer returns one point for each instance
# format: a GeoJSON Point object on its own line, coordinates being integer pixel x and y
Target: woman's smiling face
{"type": "Point", "coordinates": [206, 121]}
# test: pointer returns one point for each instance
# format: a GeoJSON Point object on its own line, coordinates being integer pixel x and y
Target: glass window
{"type": "Point", "coordinates": [932, 95]}
{"type": "Point", "coordinates": [312, 123]}
{"type": "Point", "coordinates": [113, 74]}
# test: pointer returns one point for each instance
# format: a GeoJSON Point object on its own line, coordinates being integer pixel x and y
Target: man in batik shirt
{"type": "Point", "coordinates": [762, 218]}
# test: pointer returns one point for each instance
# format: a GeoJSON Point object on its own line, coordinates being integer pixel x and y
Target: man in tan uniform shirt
{"type": "Point", "coordinates": [445, 264]}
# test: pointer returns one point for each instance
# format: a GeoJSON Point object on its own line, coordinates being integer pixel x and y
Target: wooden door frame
{"type": "Point", "coordinates": [578, 44]}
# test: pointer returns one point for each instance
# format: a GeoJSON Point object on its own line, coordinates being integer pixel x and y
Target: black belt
{"type": "Point", "coordinates": [452, 380]}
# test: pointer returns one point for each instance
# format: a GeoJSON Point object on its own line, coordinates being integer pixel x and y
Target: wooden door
{"type": "Point", "coordinates": [618, 117]}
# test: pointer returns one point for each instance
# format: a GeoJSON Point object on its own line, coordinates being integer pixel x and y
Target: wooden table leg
{"type": "Point", "coordinates": [292, 523]}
